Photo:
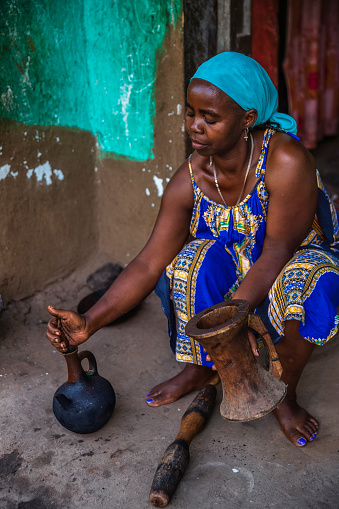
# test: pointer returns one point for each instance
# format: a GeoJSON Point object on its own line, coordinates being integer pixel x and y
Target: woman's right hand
{"type": "Point", "coordinates": [65, 329]}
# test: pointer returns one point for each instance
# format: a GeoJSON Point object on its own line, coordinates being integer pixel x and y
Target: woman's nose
{"type": "Point", "coordinates": [196, 125]}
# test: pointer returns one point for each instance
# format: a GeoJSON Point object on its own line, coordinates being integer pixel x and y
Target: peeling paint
{"type": "Point", "coordinates": [45, 172]}
{"type": "Point", "coordinates": [147, 191]}
{"type": "Point", "coordinates": [159, 184]}
{"type": "Point", "coordinates": [7, 99]}
{"type": "Point", "coordinates": [4, 171]}
{"type": "Point", "coordinates": [59, 174]}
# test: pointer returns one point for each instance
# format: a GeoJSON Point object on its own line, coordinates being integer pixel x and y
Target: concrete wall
{"type": "Point", "coordinates": [92, 104]}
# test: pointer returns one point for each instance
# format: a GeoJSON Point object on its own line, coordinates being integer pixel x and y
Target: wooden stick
{"type": "Point", "coordinates": [176, 457]}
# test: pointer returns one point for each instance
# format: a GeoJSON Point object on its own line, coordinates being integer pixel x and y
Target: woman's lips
{"type": "Point", "coordinates": [197, 144]}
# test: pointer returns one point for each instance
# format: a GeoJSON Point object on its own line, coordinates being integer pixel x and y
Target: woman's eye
{"type": "Point", "coordinates": [210, 121]}
{"type": "Point", "coordinates": [189, 113]}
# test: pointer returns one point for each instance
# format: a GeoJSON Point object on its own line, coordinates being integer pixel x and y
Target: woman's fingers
{"type": "Point", "coordinates": [55, 332]}
{"type": "Point", "coordinates": [52, 327]}
{"type": "Point", "coordinates": [58, 313]}
{"type": "Point", "coordinates": [65, 328]}
{"type": "Point", "coordinates": [253, 343]}
{"type": "Point", "coordinates": [208, 358]}
{"type": "Point", "coordinates": [57, 342]}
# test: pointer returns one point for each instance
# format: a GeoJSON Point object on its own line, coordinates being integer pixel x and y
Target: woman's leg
{"type": "Point", "coordinates": [201, 278]}
{"type": "Point", "coordinates": [303, 304]}
{"type": "Point", "coordinates": [294, 351]}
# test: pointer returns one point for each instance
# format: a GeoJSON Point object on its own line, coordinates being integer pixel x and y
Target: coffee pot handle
{"type": "Point", "coordinates": [93, 370]}
{"type": "Point", "coordinates": [255, 323]}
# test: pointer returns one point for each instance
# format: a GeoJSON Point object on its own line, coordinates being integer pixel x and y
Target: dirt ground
{"type": "Point", "coordinates": [232, 465]}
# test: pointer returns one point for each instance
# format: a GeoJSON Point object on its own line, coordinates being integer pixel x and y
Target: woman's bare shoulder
{"type": "Point", "coordinates": [179, 188]}
{"type": "Point", "coordinates": [289, 162]}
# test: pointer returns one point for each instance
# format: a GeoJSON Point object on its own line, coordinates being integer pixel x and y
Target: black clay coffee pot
{"type": "Point", "coordinates": [86, 401]}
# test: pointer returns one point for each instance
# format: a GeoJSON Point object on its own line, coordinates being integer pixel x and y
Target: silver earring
{"type": "Point", "coordinates": [246, 134]}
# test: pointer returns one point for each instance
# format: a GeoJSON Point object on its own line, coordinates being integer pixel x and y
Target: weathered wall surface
{"type": "Point", "coordinates": [48, 202]}
{"type": "Point", "coordinates": [129, 193]}
{"type": "Point", "coordinates": [85, 63]}
{"type": "Point", "coordinates": [91, 108]}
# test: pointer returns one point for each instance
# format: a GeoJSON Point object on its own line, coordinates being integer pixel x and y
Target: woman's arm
{"type": "Point", "coordinates": [291, 183]}
{"type": "Point", "coordinates": [140, 277]}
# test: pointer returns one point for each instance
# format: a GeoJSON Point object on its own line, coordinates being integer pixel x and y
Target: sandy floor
{"type": "Point", "coordinates": [233, 465]}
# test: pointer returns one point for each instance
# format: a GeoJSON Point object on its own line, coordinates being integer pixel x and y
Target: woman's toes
{"type": "Point", "coordinates": [153, 393]}
{"type": "Point", "coordinates": [309, 431]}
{"type": "Point", "coordinates": [314, 421]}
{"type": "Point", "coordinates": [149, 401]}
{"type": "Point", "coordinates": [302, 436]}
{"type": "Point", "coordinates": [153, 400]}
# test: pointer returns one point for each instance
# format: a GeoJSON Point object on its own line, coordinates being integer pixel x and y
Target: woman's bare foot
{"type": "Point", "coordinates": [294, 351]}
{"type": "Point", "coordinates": [191, 378]}
{"type": "Point", "coordinates": [297, 424]}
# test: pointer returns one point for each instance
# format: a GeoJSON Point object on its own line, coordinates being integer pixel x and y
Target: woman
{"type": "Point", "coordinates": [263, 230]}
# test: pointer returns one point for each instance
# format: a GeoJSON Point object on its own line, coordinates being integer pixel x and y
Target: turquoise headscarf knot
{"type": "Point", "coordinates": [248, 84]}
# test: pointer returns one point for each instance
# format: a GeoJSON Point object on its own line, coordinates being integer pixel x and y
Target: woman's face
{"type": "Point", "coordinates": [214, 122]}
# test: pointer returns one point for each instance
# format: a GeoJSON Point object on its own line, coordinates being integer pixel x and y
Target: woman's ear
{"type": "Point", "coordinates": [251, 118]}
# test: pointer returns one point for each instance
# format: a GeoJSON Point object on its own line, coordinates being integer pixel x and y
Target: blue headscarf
{"type": "Point", "coordinates": [248, 84]}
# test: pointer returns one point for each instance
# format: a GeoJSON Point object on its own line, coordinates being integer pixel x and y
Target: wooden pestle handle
{"type": "Point", "coordinates": [176, 457]}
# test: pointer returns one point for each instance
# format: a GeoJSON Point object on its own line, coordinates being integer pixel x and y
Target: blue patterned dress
{"type": "Point", "coordinates": [227, 241]}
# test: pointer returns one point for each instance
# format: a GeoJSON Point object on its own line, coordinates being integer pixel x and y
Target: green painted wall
{"type": "Point", "coordinates": [89, 64]}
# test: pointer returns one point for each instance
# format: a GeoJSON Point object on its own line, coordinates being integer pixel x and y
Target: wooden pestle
{"type": "Point", "coordinates": [176, 457]}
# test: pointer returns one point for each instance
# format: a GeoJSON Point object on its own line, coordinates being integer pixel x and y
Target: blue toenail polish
{"type": "Point", "coordinates": [311, 438]}
{"type": "Point", "coordinates": [149, 400]}
{"type": "Point", "coordinates": [301, 441]}
{"type": "Point", "coordinates": [149, 392]}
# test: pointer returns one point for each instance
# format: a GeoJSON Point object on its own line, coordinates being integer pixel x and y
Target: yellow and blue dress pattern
{"type": "Point", "coordinates": [228, 241]}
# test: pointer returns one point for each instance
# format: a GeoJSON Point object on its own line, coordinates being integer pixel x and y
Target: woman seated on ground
{"type": "Point", "coordinates": [263, 230]}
